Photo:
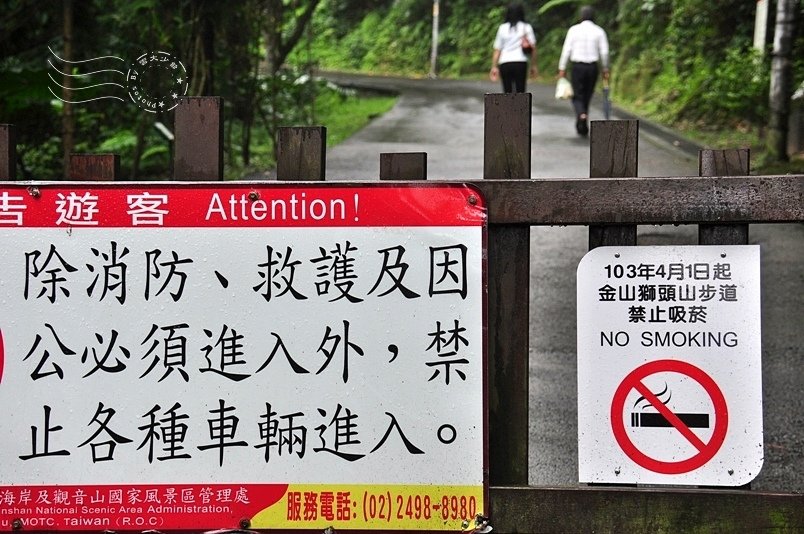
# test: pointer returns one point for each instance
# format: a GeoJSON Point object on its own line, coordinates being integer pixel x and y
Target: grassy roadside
{"type": "Point", "coordinates": [342, 112]}
{"type": "Point", "coordinates": [345, 117]}
{"type": "Point", "coordinates": [738, 135]}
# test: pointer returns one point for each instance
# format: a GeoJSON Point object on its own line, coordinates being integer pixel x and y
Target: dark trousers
{"type": "Point", "coordinates": [584, 77]}
{"type": "Point", "coordinates": [514, 74]}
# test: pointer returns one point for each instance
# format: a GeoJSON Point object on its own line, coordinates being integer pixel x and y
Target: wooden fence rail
{"type": "Point", "coordinates": [723, 201]}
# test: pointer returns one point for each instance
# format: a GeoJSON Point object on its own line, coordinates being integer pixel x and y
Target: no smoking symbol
{"type": "Point", "coordinates": [705, 450]}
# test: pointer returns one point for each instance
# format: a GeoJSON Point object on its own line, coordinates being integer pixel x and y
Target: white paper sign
{"type": "Point", "coordinates": [669, 365]}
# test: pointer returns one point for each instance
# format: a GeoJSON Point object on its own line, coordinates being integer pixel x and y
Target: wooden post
{"type": "Point", "coordinates": [506, 143]}
{"type": "Point", "coordinates": [8, 153]}
{"type": "Point", "coordinates": [735, 162]}
{"type": "Point", "coordinates": [302, 154]}
{"type": "Point", "coordinates": [613, 153]}
{"type": "Point", "coordinates": [723, 163]}
{"type": "Point", "coordinates": [507, 156]}
{"type": "Point", "coordinates": [403, 166]}
{"type": "Point", "coordinates": [198, 129]}
{"type": "Point", "coordinates": [614, 150]}
{"type": "Point", "coordinates": [94, 167]}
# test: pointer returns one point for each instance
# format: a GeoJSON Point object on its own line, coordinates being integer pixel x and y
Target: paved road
{"type": "Point", "coordinates": [445, 119]}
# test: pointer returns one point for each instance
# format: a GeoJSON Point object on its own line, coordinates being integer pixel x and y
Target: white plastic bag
{"type": "Point", "coordinates": [563, 89]}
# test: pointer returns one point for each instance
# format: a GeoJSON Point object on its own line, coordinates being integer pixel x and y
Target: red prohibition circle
{"type": "Point", "coordinates": [2, 356]}
{"type": "Point", "coordinates": [706, 451]}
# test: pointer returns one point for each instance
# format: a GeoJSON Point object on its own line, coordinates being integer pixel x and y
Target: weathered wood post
{"type": "Point", "coordinates": [302, 154]}
{"type": "Point", "coordinates": [8, 153]}
{"type": "Point", "coordinates": [734, 162]}
{"type": "Point", "coordinates": [723, 163]}
{"type": "Point", "coordinates": [94, 167]}
{"type": "Point", "coordinates": [507, 156]}
{"type": "Point", "coordinates": [614, 151]}
{"type": "Point", "coordinates": [403, 166]}
{"type": "Point", "coordinates": [198, 130]}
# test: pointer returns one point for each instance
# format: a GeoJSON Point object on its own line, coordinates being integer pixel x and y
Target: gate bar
{"type": "Point", "coordinates": [724, 163]}
{"type": "Point", "coordinates": [670, 200]}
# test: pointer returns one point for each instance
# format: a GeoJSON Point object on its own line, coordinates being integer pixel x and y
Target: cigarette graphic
{"type": "Point", "coordinates": [657, 420]}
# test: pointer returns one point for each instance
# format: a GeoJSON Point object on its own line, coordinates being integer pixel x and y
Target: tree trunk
{"type": "Point", "coordinates": [142, 124]}
{"type": "Point", "coordinates": [248, 112]}
{"type": "Point", "coordinates": [781, 81]}
{"type": "Point", "coordinates": [273, 35]}
{"type": "Point", "coordinates": [279, 42]}
{"type": "Point", "coordinates": [67, 118]}
{"type": "Point", "coordinates": [245, 148]}
{"type": "Point", "coordinates": [208, 40]}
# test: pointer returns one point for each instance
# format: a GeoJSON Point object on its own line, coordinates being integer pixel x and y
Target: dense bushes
{"type": "Point", "coordinates": [395, 37]}
{"type": "Point", "coordinates": [691, 61]}
{"type": "Point", "coordinates": [681, 61]}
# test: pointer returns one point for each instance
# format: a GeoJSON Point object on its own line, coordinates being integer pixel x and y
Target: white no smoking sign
{"type": "Point", "coordinates": [669, 365]}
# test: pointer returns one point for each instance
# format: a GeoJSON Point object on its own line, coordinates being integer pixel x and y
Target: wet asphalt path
{"type": "Point", "coordinates": [444, 118]}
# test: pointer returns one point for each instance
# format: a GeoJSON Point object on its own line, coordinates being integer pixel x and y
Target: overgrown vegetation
{"type": "Point", "coordinates": [702, 76]}
{"type": "Point", "coordinates": [394, 36]}
{"type": "Point", "coordinates": [685, 63]}
{"type": "Point", "coordinates": [237, 51]}
{"type": "Point", "coordinates": [342, 111]}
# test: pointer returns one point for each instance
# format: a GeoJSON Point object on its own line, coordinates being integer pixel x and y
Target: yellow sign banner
{"type": "Point", "coordinates": [373, 507]}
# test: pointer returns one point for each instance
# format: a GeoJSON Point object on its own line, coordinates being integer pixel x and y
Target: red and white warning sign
{"type": "Point", "coordinates": [241, 355]}
{"type": "Point", "coordinates": [669, 358]}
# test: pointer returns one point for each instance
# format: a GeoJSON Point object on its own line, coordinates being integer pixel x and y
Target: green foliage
{"type": "Point", "coordinates": [21, 88]}
{"type": "Point", "coordinates": [150, 154]}
{"type": "Point", "coordinates": [345, 112]}
{"type": "Point", "coordinates": [42, 160]}
{"type": "Point", "coordinates": [342, 16]}
{"type": "Point", "coordinates": [342, 111]}
{"type": "Point", "coordinates": [465, 47]}
{"type": "Point", "coordinates": [222, 47]}
{"type": "Point", "coordinates": [681, 61]}
{"type": "Point", "coordinates": [549, 45]}
{"type": "Point", "coordinates": [738, 87]}
{"type": "Point", "coordinates": [120, 142]}
{"type": "Point", "coordinates": [732, 89]}
{"type": "Point", "coordinates": [385, 40]}
{"type": "Point", "coordinates": [555, 3]}
{"type": "Point", "coordinates": [396, 38]}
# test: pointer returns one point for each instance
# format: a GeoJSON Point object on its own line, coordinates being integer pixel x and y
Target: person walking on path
{"type": "Point", "coordinates": [587, 47]}
{"type": "Point", "coordinates": [514, 46]}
